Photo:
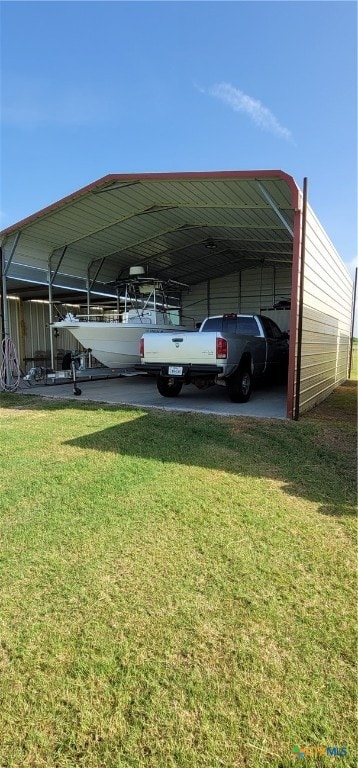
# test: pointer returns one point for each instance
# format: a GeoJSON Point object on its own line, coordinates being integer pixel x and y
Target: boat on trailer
{"type": "Point", "coordinates": [144, 304]}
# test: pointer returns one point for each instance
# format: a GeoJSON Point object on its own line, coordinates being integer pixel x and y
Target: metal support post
{"type": "Point", "coordinates": [51, 277]}
{"type": "Point", "coordinates": [4, 307]}
{"type": "Point", "coordinates": [4, 320]}
{"type": "Point", "coordinates": [90, 283]}
{"type": "Point", "coordinates": [300, 303]}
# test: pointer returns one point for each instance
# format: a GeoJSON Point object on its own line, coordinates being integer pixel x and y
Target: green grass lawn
{"type": "Point", "coordinates": [176, 589]}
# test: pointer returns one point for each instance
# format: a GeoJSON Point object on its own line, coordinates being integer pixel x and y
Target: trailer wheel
{"type": "Point", "coordinates": [239, 385]}
{"type": "Point", "coordinates": [169, 387]}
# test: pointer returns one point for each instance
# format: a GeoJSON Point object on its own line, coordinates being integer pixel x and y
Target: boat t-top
{"type": "Point", "coordinates": [143, 304]}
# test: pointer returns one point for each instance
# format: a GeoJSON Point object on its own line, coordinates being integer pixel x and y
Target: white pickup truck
{"type": "Point", "coordinates": [227, 349]}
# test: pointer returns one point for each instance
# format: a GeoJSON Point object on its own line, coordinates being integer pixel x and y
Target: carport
{"type": "Point", "coordinates": [239, 239]}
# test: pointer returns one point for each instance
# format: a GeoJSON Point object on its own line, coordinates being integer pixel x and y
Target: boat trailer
{"type": "Point", "coordinates": [80, 370]}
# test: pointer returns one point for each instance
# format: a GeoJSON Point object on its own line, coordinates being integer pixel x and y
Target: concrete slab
{"type": "Point", "coordinates": [141, 391]}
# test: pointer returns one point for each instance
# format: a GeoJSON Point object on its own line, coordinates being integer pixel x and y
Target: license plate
{"type": "Point", "coordinates": [175, 370]}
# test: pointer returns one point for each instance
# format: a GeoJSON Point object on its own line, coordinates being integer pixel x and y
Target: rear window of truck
{"type": "Point", "coordinates": [245, 326]}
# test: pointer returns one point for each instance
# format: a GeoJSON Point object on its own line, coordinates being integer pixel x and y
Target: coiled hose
{"type": "Point", "coordinates": [10, 369]}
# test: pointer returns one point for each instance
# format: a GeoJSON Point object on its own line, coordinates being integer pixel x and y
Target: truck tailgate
{"type": "Point", "coordinates": [194, 348]}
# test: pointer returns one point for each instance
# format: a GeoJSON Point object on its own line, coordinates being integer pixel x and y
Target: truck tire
{"type": "Point", "coordinates": [169, 387]}
{"type": "Point", "coordinates": [239, 385]}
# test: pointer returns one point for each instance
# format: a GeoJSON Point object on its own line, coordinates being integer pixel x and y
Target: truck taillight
{"type": "Point", "coordinates": [221, 348]}
{"type": "Point", "coordinates": [141, 347]}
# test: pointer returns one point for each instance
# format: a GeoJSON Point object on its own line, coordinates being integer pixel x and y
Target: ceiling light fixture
{"type": "Point", "coordinates": [211, 245]}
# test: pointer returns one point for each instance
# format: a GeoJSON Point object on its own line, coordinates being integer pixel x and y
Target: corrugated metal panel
{"type": "Point", "coordinates": [21, 275]}
{"type": "Point", "coordinates": [30, 253]}
{"type": "Point", "coordinates": [161, 223]}
{"type": "Point", "coordinates": [262, 288]}
{"type": "Point", "coordinates": [327, 305]}
{"type": "Point", "coordinates": [195, 304]}
{"type": "Point", "coordinates": [225, 294]}
{"type": "Point", "coordinates": [14, 321]}
{"type": "Point", "coordinates": [252, 290]}
{"type": "Point", "coordinates": [37, 332]}
{"type": "Point", "coordinates": [37, 335]}
{"type": "Point", "coordinates": [161, 244]}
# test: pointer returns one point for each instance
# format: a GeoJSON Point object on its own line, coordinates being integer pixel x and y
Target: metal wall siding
{"type": "Point", "coordinates": [225, 294]}
{"type": "Point", "coordinates": [14, 321]}
{"type": "Point", "coordinates": [316, 285]}
{"type": "Point", "coordinates": [318, 323]}
{"type": "Point", "coordinates": [37, 333]}
{"type": "Point", "coordinates": [320, 240]}
{"type": "Point", "coordinates": [327, 306]}
{"type": "Point", "coordinates": [337, 268]}
{"type": "Point", "coordinates": [251, 290]}
{"type": "Point", "coordinates": [283, 280]}
{"type": "Point", "coordinates": [195, 304]}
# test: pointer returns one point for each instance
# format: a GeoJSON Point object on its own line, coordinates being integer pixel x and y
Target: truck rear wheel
{"type": "Point", "coordinates": [169, 387]}
{"type": "Point", "coordinates": [239, 385]}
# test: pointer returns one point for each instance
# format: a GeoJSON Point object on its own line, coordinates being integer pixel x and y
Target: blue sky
{"type": "Point", "coordinates": [90, 88]}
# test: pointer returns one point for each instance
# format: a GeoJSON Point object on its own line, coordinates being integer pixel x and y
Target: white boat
{"type": "Point", "coordinates": [113, 337]}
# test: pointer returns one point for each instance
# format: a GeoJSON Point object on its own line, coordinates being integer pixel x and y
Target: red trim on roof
{"type": "Point", "coordinates": [185, 175]}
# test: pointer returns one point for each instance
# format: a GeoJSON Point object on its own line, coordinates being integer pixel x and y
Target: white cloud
{"type": "Point", "coordinates": [257, 112]}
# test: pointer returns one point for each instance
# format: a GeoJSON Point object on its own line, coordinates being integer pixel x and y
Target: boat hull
{"type": "Point", "coordinates": [115, 345]}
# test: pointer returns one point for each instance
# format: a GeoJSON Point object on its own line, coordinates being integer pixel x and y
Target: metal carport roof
{"type": "Point", "coordinates": [188, 227]}
{"type": "Point", "coordinates": [184, 226]}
